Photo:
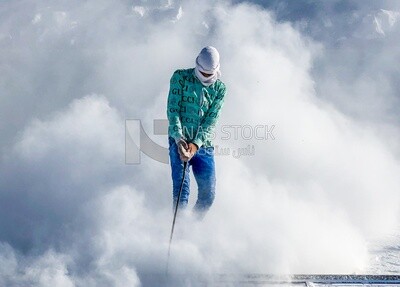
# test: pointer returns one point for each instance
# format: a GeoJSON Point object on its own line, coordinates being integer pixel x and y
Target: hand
{"type": "Point", "coordinates": [183, 150]}
{"type": "Point", "coordinates": [192, 149]}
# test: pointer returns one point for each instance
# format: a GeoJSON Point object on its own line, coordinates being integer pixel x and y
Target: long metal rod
{"type": "Point", "coordinates": [175, 212]}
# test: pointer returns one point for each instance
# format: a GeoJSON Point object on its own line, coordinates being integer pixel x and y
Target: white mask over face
{"type": "Point", "coordinates": [207, 81]}
{"type": "Point", "coordinates": [208, 62]}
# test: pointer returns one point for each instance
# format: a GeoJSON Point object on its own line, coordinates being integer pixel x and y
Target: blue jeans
{"type": "Point", "coordinates": [203, 167]}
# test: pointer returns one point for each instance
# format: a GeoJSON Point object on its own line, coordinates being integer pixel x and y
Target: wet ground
{"type": "Point", "coordinates": [231, 280]}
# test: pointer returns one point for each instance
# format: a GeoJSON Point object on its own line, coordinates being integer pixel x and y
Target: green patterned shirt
{"type": "Point", "coordinates": [193, 109]}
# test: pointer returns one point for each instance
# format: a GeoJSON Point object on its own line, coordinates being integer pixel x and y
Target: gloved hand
{"type": "Point", "coordinates": [183, 150]}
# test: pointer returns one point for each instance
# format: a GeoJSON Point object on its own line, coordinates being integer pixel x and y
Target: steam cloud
{"type": "Point", "coordinates": [310, 201]}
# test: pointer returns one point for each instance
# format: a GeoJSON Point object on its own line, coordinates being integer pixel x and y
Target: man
{"type": "Point", "coordinates": [195, 100]}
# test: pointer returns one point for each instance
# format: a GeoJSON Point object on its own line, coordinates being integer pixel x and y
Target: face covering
{"type": "Point", "coordinates": [208, 62]}
{"type": "Point", "coordinates": [207, 81]}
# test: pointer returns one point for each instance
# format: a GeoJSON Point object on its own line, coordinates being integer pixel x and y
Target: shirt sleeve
{"type": "Point", "coordinates": [207, 126]}
{"type": "Point", "coordinates": [173, 106]}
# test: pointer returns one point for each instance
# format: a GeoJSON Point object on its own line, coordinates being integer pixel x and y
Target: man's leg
{"type": "Point", "coordinates": [203, 166]}
{"type": "Point", "coordinates": [177, 173]}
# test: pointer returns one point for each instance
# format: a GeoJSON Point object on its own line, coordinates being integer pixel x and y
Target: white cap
{"type": "Point", "coordinates": [208, 60]}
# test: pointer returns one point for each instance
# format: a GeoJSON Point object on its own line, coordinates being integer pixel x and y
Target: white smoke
{"type": "Point", "coordinates": [73, 214]}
